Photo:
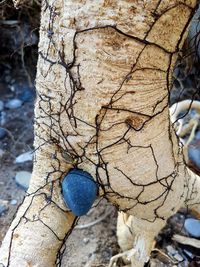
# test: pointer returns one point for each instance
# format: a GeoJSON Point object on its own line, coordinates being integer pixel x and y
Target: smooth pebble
{"type": "Point", "coordinates": [13, 202]}
{"type": "Point", "coordinates": [192, 226]}
{"type": "Point", "coordinates": [22, 178]}
{"type": "Point", "coordinates": [171, 250]}
{"type": "Point", "coordinates": [27, 156]}
{"type": "Point", "coordinates": [79, 191]}
{"type": "Point", "coordinates": [86, 240]}
{"type": "Point", "coordinates": [14, 103]}
{"type": "Point", "coordinates": [178, 257]}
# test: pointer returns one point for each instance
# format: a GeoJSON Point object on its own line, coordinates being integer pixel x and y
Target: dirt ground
{"type": "Point", "coordinates": [94, 241]}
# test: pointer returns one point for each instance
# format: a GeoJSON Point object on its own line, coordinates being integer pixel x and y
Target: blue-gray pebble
{"type": "Point", "coordinates": [14, 103]}
{"type": "Point", "coordinates": [79, 191]}
{"type": "Point", "coordinates": [192, 226]}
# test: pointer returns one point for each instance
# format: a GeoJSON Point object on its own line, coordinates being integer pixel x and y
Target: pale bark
{"type": "Point", "coordinates": [136, 237]}
{"type": "Point", "coordinates": [103, 82]}
{"type": "Point", "coordinates": [131, 231]}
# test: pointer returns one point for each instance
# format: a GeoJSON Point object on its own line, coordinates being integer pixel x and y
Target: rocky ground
{"type": "Point", "coordinates": [94, 241]}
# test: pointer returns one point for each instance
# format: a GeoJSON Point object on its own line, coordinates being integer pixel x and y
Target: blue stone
{"type": "Point", "coordinates": [79, 191]}
{"type": "Point", "coordinates": [14, 103]}
{"type": "Point", "coordinates": [192, 226]}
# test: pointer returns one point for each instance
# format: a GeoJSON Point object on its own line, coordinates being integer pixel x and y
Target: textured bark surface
{"type": "Point", "coordinates": [103, 82]}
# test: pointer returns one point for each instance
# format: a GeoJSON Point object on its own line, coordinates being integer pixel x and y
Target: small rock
{"type": "Point", "coordinates": [3, 206]}
{"type": "Point", "coordinates": [22, 178]}
{"type": "Point", "coordinates": [178, 257]}
{"type": "Point", "coordinates": [3, 133]}
{"type": "Point", "coordinates": [27, 156]}
{"type": "Point", "coordinates": [12, 88]}
{"type": "Point", "coordinates": [192, 226]}
{"type": "Point", "coordinates": [86, 240]}
{"type": "Point", "coordinates": [14, 103]}
{"type": "Point", "coordinates": [79, 191]}
{"type": "Point", "coordinates": [171, 250]}
{"type": "Point", "coordinates": [1, 105]}
{"type": "Point", "coordinates": [13, 202]}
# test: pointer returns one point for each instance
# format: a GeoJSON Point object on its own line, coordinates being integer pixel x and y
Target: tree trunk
{"type": "Point", "coordinates": [103, 81]}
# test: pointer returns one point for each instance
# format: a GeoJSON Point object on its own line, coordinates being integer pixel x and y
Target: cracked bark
{"type": "Point", "coordinates": [103, 82]}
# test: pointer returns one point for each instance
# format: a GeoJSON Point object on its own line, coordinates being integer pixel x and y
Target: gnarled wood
{"type": "Point", "coordinates": [103, 82]}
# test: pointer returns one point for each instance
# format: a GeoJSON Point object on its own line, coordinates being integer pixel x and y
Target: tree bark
{"type": "Point", "coordinates": [103, 82]}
